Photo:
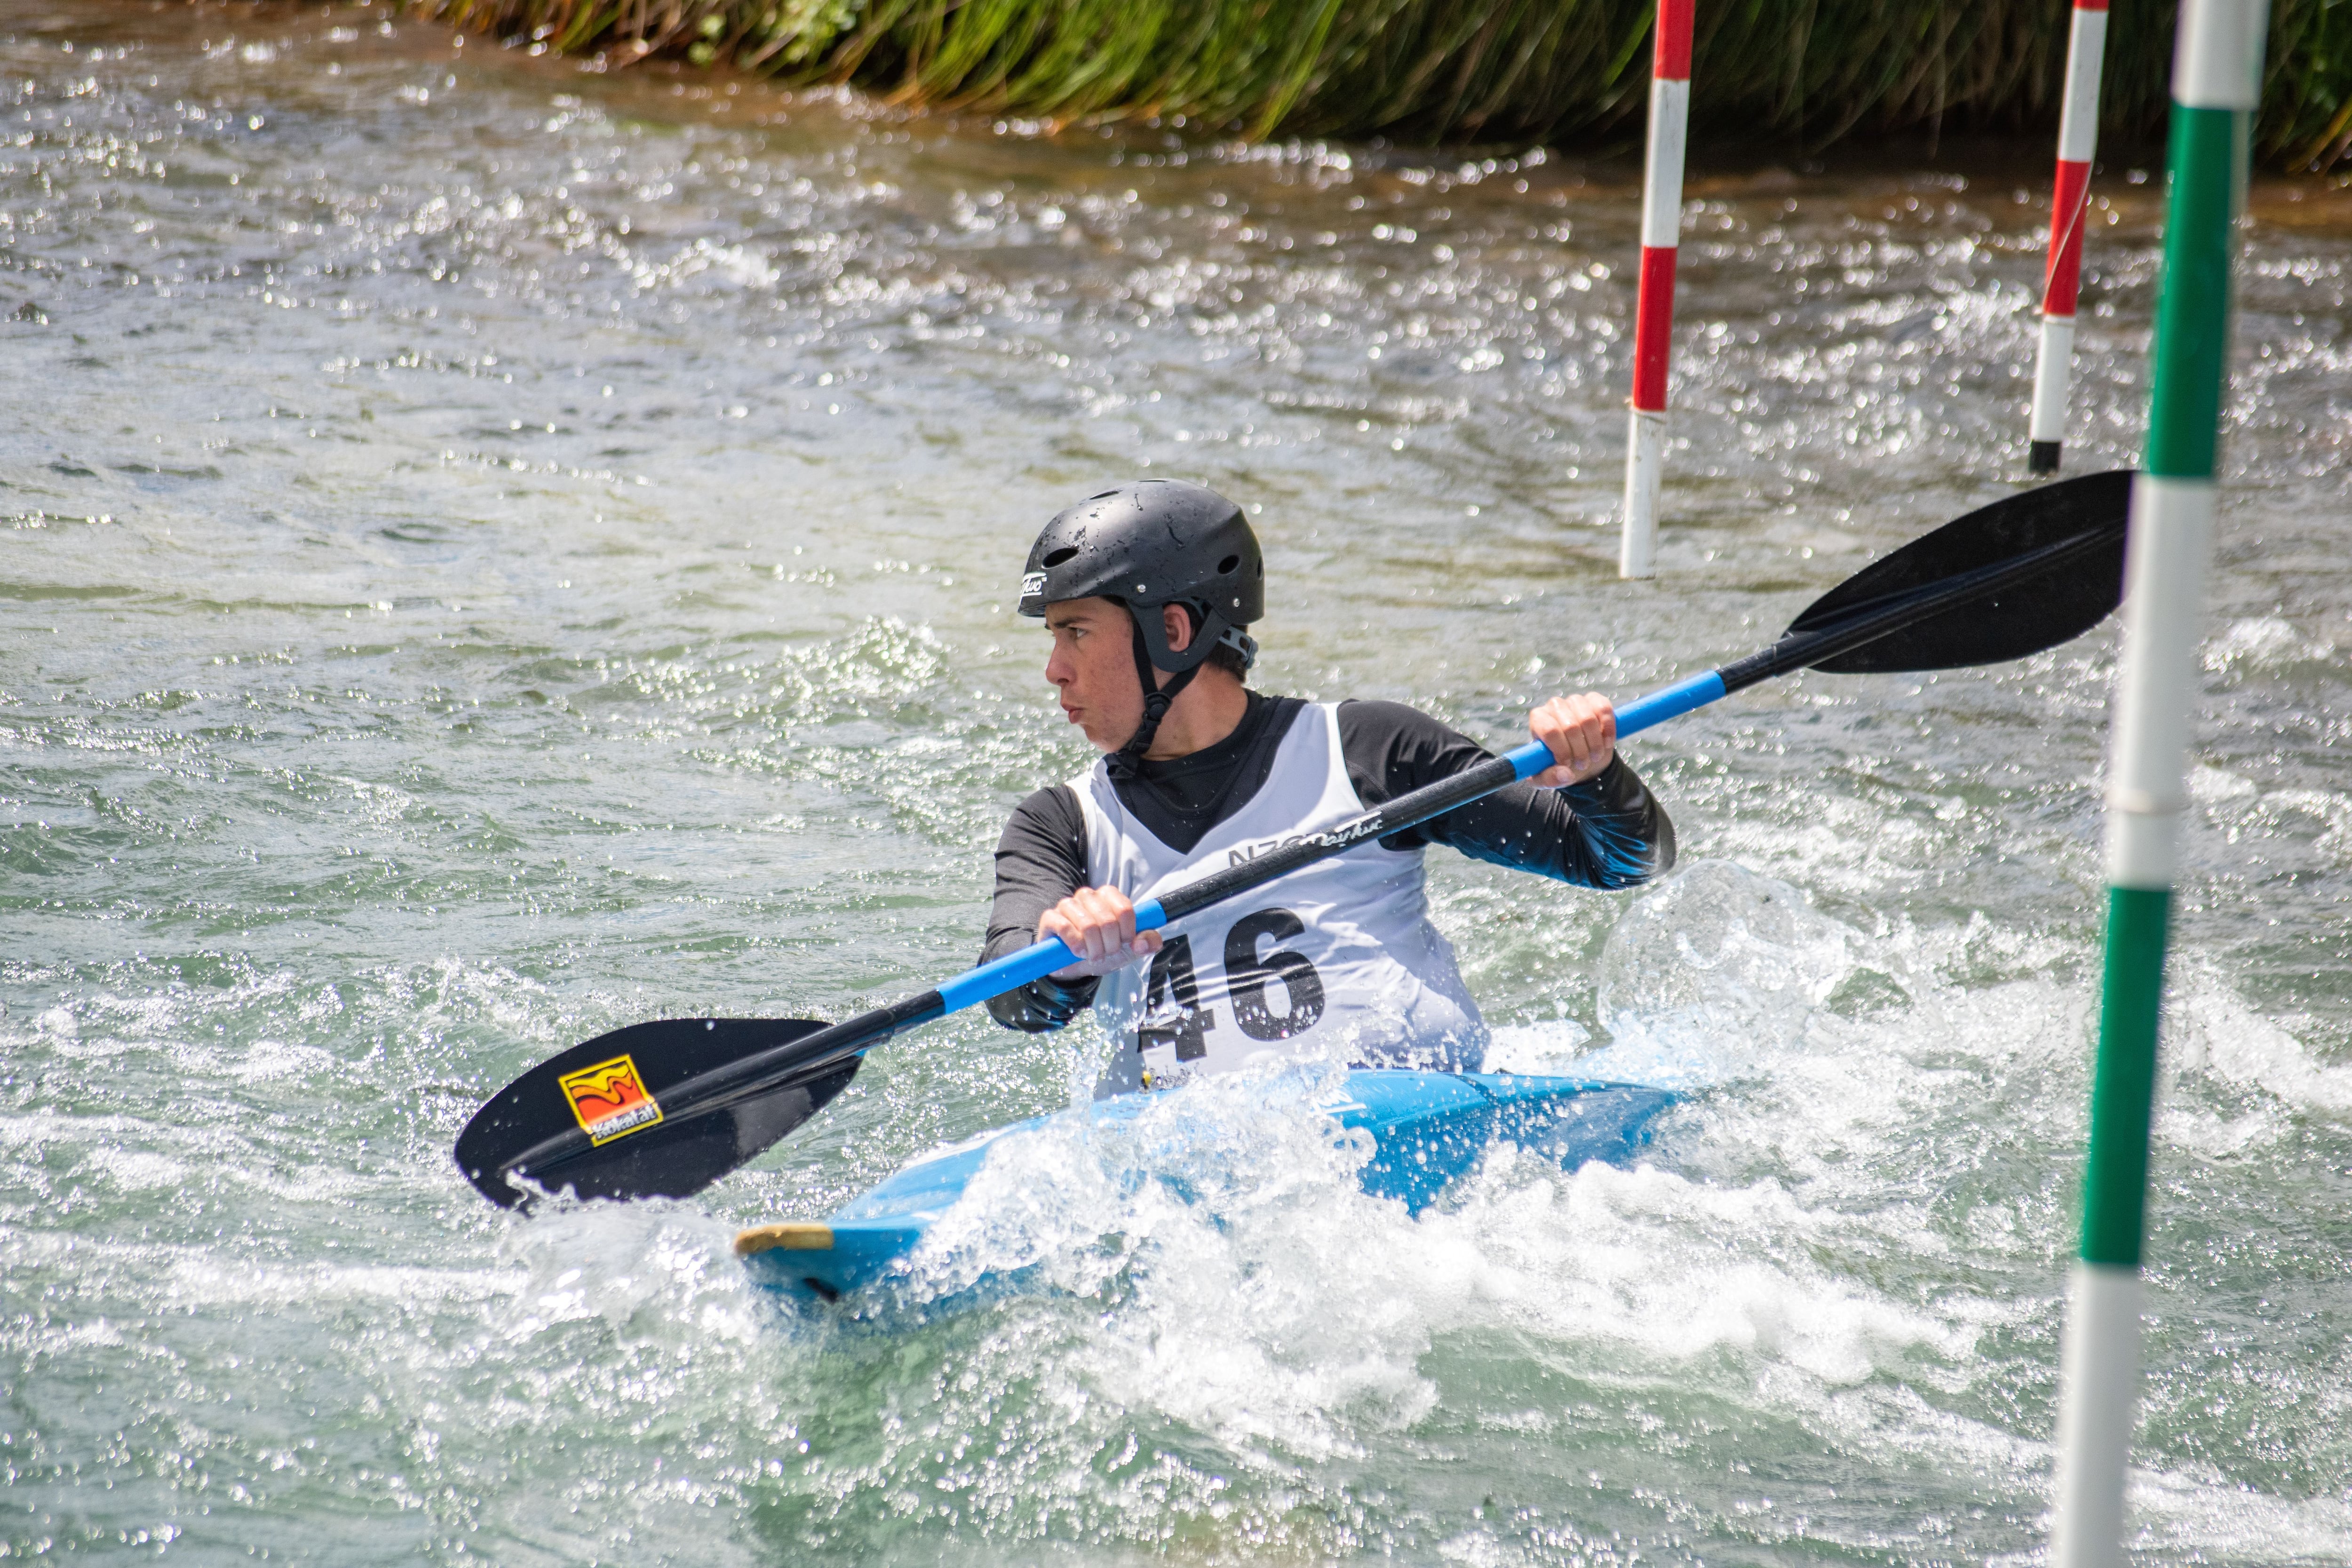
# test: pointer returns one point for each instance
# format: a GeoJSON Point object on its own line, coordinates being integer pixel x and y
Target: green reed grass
{"type": "Point", "coordinates": [1803, 73]}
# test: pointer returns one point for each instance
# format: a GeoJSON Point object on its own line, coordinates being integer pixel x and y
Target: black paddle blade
{"type": "Point", "coordinates": [614, 1085]}
{"type": "Point", "coordinates": [2077, 589]}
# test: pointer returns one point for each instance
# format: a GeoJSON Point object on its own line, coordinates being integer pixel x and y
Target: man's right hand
{"type": "Point", "coordinates": [1098, 925]}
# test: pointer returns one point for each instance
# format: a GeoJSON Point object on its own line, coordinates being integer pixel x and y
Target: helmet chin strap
{"type": "Point", "coordinates": [1127, 762]}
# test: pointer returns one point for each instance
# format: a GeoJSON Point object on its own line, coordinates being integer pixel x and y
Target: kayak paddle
{"type": "Point", "coordinates": [664, 1109]}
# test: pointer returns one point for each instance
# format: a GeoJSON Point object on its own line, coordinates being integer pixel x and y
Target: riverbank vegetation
{"type": "Point", "coordinates": [1805, 74]}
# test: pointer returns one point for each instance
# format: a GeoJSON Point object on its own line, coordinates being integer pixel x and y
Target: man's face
{"type": "Point", "coordinates": [1093, 668]}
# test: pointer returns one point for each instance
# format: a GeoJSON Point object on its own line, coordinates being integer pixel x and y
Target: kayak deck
{"type": "Point", "coordinates": [1427, 1129]}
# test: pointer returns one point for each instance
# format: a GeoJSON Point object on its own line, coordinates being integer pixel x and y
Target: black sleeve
{"type": "Point", "coordinates": [1607, 832]}
{"type": "Point", "coordinates": [1040, 861]}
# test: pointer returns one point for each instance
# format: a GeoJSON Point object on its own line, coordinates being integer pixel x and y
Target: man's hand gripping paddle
{"type": "Point", "coordinates": [667, 1108]}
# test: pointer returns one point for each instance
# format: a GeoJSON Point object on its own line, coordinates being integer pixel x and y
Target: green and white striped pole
{"type": "Point", "coordinates": [2216, 82]}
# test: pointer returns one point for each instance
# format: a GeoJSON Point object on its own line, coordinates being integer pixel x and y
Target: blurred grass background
{"type": "Point", "coordinates": [1805, 74]}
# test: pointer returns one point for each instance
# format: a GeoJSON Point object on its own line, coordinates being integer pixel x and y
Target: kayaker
{"type": "Point", "coordinates": [1146, 589]}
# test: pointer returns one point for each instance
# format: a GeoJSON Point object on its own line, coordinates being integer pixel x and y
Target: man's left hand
{"type": "Point", "coordinates": [1582, 732]}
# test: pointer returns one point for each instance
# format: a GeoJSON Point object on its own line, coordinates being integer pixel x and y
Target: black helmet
{"type": "Point", "coordinates": [1150, 543]}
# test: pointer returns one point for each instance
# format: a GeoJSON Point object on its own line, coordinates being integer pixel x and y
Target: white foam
{"type": "Point", "coordinates": [1547, 1048]}
{"type": "Point", "coordinates": [269, 1060]}
{"type": "Point", "coordinates": [733, 266]}
{"type": "Point", "coordinates": [2212, 1032]}
{"type": "Point", "coordinates": [2265, 643]}
{"type": "Point", "coordinates": [621, 1262]}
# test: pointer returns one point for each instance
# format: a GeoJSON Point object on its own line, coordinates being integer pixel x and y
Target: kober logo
{"type": "Point", "coordinates": [610, 1099]}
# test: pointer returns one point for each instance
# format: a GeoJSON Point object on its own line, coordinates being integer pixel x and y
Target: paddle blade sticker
{"type": "Point", "coordinates": [609, 1099]}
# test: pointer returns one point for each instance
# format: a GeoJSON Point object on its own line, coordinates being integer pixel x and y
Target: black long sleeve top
{"type": "Point", "coordinates": [1607, 832]}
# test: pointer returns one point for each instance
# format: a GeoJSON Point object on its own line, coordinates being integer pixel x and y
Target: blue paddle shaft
{"type": "Point", "coordinates": [1033, 962]}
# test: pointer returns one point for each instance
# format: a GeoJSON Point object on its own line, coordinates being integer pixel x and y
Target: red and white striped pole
{"type": "Point", "coordinates": [2078, 138]}
{"type": "Point", "coordinates": [1654, 309]}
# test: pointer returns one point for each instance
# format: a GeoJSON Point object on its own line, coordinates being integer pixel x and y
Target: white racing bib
{"type": "Point", "coordinates": [1336, 961]}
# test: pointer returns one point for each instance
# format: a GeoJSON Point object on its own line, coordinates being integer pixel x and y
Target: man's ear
{"type": "Point", "coordinates": [1178, 625]}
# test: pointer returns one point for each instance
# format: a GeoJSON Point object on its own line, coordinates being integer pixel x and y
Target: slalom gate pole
{"type": "Point", "coordinates": [1654, 309]}
{"type": "Point", "coordinates": [2216, 77]}
{"type": "Point", "coordinates": [2078, 139]}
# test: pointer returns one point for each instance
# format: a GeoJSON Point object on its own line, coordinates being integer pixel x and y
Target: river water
{"type": "Point", "coordinates": [497, 551]}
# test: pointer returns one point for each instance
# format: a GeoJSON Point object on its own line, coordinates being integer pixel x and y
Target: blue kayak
{"type": "Point", "coordinates": [1425, 1129]}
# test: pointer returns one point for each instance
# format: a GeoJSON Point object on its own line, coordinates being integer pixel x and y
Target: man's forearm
{"type": "Point", "coordinates": [1041, 859]}
{"type": "Point", "coordinates": [1609, 832]}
